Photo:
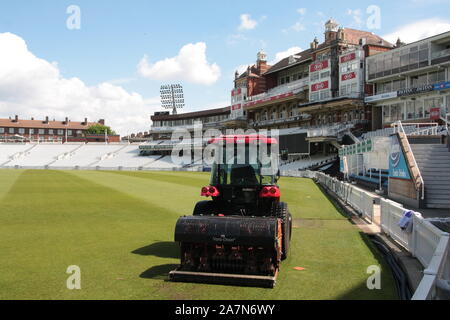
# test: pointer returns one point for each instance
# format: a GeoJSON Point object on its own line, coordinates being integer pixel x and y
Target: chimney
{"type": "Point", "coordinates": [101, 121]}
{"type": "Point", "coordinates": [46, 120]}
{"type": "Point", "coordinates": [16, 118]}
{"type": "Point", "coordinates": [314, 44]}
{"type": "Point", "coordinates": [66, 121]}
{"type": "Point", "coordinates": [85, 122]}
{"type": "Point", "coordinates": [32, 118]}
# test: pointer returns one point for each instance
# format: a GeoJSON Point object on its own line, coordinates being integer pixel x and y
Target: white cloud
{"type": "Point", "coordinates": [189, 65]}
{"type": "Point", "coordinates": [357, 17]}
{"type": "Point", "coordinates": [298, 26]}
{"type": "Point", "coordinates": [284, 54]}
{"type": "Point", "coordinates": [247, 23]}
{"type": "Point", "coordinates": [236, 38]}
{"type": "Point", "coordinates": [419, 30]}
{"type": "Point", "coordinates": [34, 87]}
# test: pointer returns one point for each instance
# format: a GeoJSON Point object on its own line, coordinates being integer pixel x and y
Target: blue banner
{"type": "Point", "coordinates": [397, 162]}
{"type": "Point", "coordinates": [442, 86]}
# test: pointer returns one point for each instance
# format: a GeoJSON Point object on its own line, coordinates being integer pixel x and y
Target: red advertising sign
{"type": "Point", "coordinates": [435, 113]}
{"type": "Point", "coordinates": [280, 96]}
{"type": "Point", "coordinates": [319, 86]}
{"type": "Point", "coordinates": [348, 76]}
{"type": "Point", "coordinates": [235, 92]}
{"type": "Point", "coordinates": [236, 107]}
{"type": "Point", "coordinates": [318, 66]}
{"type": "Point", "coordinates": [348, 57]}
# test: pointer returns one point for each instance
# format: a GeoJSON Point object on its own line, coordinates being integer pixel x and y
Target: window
{"type": "Point", "coordinates": [21, 131]}
{"type": "Point", "coordinates": [50, 131]}
{"type": "Point", "coordinates": [398, 85]}
{"type": "Point", "coordinates": [60, 132]}
{"type": "Point", "coordinates": [31, 131]}
{"type": "Point", "coordinates": [386, 114]}
{"type": "Point", "coordinates": [314, 96]}
{"type": "Point", "coordinates": [396, 112]}
{"type": "Point", "coordinates": [314, 76]}
{"type": "Point", "coordinates": [2, 130]}
{"type": "Point", "coordinates": [437, 76]}
{"type": "Point", "coordinates": [325, 94]}
{"type": "Point", "coordinates": [395, 62]}
{"type": "Point", "coordinates": [325, 74]}
{"type": "Point", "coordinates": [419, 80]}
{"type": "Point", "coordinates": [410, 110]}
{"type": "Point", "coordinates": [41, 131]}
{"type": "Point", "coordinates": [11, 130]}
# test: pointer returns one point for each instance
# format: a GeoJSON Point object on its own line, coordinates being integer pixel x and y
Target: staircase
{"type": "Point", "coordinates": [434, 164]}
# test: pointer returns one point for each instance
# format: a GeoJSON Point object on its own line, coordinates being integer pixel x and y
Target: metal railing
{"type": "Point", "coordinates": [292, 86]}
{"type": "Point", "coordinates": [398, 128]}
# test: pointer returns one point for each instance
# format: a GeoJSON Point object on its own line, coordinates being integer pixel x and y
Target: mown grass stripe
{"type": "Point", "coordinates": [119, 229]}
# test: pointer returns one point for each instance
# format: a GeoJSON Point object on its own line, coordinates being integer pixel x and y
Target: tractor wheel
{"type": "Point", "coordinates": [205, 207]}
{"type": "Point", "coordinates": [281, 211]}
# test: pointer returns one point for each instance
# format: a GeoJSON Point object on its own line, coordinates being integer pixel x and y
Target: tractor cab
{"type": "Point", "coordinates": [244, 174]}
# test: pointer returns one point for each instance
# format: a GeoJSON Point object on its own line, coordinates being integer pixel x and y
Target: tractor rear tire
{"type": "Point", "coordinates": [205, 207]}
{"type": "Point", "coordinates": [281, 211]}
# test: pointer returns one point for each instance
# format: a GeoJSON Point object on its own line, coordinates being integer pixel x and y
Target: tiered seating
{"type": "Point", "coordinates": [87, 155]}
{"type": "Point", "coordinates": [42, 154]}
{"type": "Point", "coordinates": [127, 157]}
{"type": "Point", "coordinates": [302, 164]}
{"type": "Point", "coordinates": [9, 150]}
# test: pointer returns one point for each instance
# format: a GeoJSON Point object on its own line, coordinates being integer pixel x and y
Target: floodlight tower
{"type": "Point", "coordinates": [172, 97]}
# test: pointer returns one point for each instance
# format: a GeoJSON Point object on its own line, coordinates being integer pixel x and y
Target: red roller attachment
{"type": "Point", "coordinates": [270, 192]}
{"type": "Point", "coordinates": [210, 192]}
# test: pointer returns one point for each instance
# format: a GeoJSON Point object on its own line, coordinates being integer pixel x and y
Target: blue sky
{"type": "Point", "coordinates": [116, 35]}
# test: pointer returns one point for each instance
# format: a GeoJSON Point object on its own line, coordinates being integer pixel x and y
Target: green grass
{"type": "Point", "coordinates": [118, 228]}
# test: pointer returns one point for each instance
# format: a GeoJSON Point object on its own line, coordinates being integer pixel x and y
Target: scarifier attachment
{"type": "Point", "coordinates": [230, 250]}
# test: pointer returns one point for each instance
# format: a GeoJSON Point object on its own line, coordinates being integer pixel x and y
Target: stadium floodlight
{"type": "Point", "coordinates": [172, 97]}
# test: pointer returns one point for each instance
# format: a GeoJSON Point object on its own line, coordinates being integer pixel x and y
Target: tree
{"type": "Point", "coordinates": [100, 129]}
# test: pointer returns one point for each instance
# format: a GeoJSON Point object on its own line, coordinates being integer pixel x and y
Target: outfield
{"type": "Point", "coordinates": [118, 228]}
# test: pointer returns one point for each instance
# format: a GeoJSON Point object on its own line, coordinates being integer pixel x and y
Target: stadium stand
{"type": "Point", "coordinates": [128, 157]}
{"type": "Point", "coordinates": [87, 156]}
{"type": "Point", "coordinates": [12, 151]}
{"type": "Point", "coordinates": [302, 164]}
{"type": "Point", "coordinates": [42, 154]}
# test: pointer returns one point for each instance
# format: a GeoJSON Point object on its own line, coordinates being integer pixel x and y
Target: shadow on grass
{"type": "Point", "coordinates": [158, 272]}
{"type": "Point", "coordinates": [162, 249]}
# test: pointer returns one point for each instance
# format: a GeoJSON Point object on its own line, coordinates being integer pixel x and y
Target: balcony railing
{"type": "Point", "coordinates": [285, 88]}
{"type": "Point", "coordinates": [281, 120]}
{"type": "Point", "coordinates": [440, 54]}
{"type": "Point", "coordinates": [188, 127]}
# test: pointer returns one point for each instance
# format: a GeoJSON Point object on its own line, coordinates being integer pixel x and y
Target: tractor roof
{"type": "Point", "coordinates": [246, 138]}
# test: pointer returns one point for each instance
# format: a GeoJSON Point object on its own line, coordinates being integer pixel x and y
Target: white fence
{"type": "Point", "coordinates": [359, 199]}
{"type": "Point", "coordinates": [425, 241]}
